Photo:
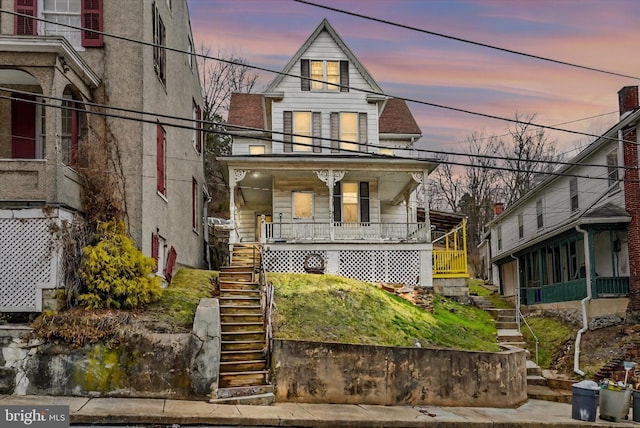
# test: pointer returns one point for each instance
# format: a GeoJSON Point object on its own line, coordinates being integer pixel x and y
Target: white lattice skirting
{"type": "Point", "coordinates": [390, 266]}
{"type": "Point", "coordinates": [29, 258]}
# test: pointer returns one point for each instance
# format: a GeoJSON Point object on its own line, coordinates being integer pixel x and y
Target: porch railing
{"type": "Point", "coordinates": [576, 290]}
{"type": "Point", "coordinates": [317, 231]}
{"type": "Point", "coordinates": [449, 263]}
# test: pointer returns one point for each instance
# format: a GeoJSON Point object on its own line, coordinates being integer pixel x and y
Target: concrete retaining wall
{"type": "Point", "coordinates": [312, 372]}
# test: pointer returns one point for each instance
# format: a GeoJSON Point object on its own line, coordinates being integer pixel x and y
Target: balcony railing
{"type": "Point", "coordinates": [449, 263]}
{"type": "Point", "coordinates": [343, 231]}
{"type": "Point", "coordinates": [576, 290]}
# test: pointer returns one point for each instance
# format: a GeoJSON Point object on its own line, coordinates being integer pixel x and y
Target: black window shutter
{"type": "Point", "coordinates": [288, 130]}
{"type": "Point", "coordinates": [337, 202]}
{"type": "Point", "coordinates": [335, 132]}
{"type": "Point", "coordinates": [364, 202]}
{"type": "Point", "coordinates": [362, 132]}
{"type": "Point", "coordinates": [316, 131]}
{"type": "Point", "coordinates": [344, 76]}
{"type": "Point", "coordinates": [305, 83]}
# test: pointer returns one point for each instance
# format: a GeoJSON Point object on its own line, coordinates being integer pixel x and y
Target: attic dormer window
{"type": "Point", "coordinates": [323, 75]}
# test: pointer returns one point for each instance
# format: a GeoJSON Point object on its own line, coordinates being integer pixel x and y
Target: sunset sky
{"type": "Point", "coordinates": [601, 34]}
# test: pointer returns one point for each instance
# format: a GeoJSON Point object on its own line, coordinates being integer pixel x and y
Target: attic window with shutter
{"type": "Point", "coordinates": [58, 13]}
{"type": "Point", "coordinates": [322, 75]}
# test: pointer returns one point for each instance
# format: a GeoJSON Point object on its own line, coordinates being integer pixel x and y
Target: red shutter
{"type": "Point", "coordinates": [160, 143]}
{"type": "Point", "coordinates": [171, 261]}
{"type": "Point", "coordinates": [155, 244]}
{"type": "Point", "coordinates": [199, 130]}
{"type": "Point", "coordinates": [91, 20]}
{"type": "Point", "coordinates": [22, 24]}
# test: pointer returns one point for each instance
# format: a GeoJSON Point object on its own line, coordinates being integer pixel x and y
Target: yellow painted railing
{"type": "Point", "coordinates": [451, 261]}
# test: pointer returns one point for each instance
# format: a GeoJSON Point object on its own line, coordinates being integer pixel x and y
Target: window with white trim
{"type": "Point", "coordinates": [62, 12]}
{"type": "Point", "coordinates": [302, 131]}
{"type": "Point", "coordinates": [324, 75]}
{"type": "Point", "coordinates": [348, 131]}
{"type": "Point", "coordinates": [539, 214]}
{"type": "Point", "coordinates": [499, 233]}
{"type": "Point", "coordinates": [573, 193]}
{"type": "Point", "coordinates": [520, 225]}
{"type": "Point", "coordinates": [302, 205]}
{"type": "Point", "coordinates": [351, 202]}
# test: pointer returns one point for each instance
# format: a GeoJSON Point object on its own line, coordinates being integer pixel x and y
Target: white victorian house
{"type": "Point", "coordinates": [327, 160]}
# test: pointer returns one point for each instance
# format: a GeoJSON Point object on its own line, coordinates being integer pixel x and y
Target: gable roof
{"type": "Point", "coordinates": [396, 118]}
{"type": "Point", "coordinates": [246, 110]}
{"type": "Point", "coordinates": [324, 26]}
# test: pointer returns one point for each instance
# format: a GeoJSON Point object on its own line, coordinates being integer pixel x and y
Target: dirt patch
{"type": "Point", "coordinates": [598, 347]}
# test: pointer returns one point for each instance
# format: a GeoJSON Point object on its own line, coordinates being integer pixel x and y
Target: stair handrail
{"type": "Point", "coordinates": [521, 316]}
{"type": "Point", "coordinates": [266, 302]}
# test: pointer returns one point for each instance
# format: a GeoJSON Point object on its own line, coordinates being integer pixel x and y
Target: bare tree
{"type": "Point", "coordinates": [530, 154]}
{"type": "Point", "coordinates": [220, 78]}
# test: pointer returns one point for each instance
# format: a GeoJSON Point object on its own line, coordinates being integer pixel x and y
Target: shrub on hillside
{"type": "Point", "coordinates": [115, 273]}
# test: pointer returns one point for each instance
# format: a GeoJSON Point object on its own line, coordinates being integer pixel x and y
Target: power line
{"type": "Point", "coordinates": [366, 91]}
{"type": "Point", "coordinates": [459, 39]}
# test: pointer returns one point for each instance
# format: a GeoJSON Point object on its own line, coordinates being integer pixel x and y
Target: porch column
{"type": "Point", "coordinates": [330, 178]}
{"type": "Point", "coordinates": [422, 179]}
{"type": "Point", "coordinates": [235, 176]}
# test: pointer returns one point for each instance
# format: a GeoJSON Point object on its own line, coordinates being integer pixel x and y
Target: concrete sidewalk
{"type": "Point", "coordinates": [534, 413]}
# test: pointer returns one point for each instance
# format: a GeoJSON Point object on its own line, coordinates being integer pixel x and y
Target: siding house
{"type": "Point", "coordinates": [572, 235]}
{"type": "Point", "coordinates": [55, 82]}
{"type": "Point", "coordinates": [327, 160]}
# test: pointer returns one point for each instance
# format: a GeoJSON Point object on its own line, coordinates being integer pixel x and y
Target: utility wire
{"type": "Point", "coordinates": [310, 145]}
{"type": "Point", "coordinates": [459, 39]}
{"type": "Point", "coordinates": [366, 91]}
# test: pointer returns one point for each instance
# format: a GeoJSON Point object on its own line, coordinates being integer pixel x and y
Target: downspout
{"type": "Point", "coordinates": [583, 302]}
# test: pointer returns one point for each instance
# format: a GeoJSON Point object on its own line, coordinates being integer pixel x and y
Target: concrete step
{"type": "Point", "coordinates": [533, 369]}
{"type": "Point", "coordinates": [538, 392]}
{"type": "Point", "coordinates": [536, 380]}
{"type": "Point", "coordinates": [509, 335]}
{"type": "Point", "coordinates": [266, 399]}
{"type": "Point", "coordinates": [506, 325]}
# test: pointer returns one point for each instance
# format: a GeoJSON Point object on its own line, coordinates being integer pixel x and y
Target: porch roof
{"type": "Point", "coordinates": [51, 44]}
{"type": "Point", "coordinates": [587, 220]}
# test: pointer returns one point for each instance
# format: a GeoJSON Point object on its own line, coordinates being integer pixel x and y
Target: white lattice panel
{"type": "Point", "coordinates": [356, 264]}
{"type": "Point", "coordinates": [404, 267]}
{"type": "Point", "coordinates": [288, 261]}
{"type": "Point", "coordinates": [26, 262]}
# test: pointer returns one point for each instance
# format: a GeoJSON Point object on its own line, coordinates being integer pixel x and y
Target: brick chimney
{"type": "Point", "coordinates": [498, 207]}
{"type": "Point", "coordinates": [627, 99]}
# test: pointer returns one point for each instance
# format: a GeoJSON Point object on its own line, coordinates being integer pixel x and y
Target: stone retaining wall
{"type": "Point", "coordinates": [312, 372]}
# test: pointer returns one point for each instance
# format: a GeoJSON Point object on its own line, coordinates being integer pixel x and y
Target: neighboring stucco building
{"type": "Point", "coordinates": [49, 78]}
{"type": "Point", "coordinates": [576, 233]}
{"type": "Point", "coordinates": [327, 158]}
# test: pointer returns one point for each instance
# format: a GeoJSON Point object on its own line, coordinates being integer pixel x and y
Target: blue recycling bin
{"type": "Point", "coordinates": [585, 400]}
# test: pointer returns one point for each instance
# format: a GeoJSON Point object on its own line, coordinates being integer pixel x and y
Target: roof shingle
{"type": "Point", "coordinates": [396, 118]}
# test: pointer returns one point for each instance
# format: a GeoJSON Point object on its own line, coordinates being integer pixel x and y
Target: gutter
{"type": "Point", "coordinates": [583, 302]}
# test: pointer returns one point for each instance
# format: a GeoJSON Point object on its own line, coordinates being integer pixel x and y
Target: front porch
{"type": "Point", "coordinates": [601, 287]}
{"type": "Point", "coordinates": [344, 231]}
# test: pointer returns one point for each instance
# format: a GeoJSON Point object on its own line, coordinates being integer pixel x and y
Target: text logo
{"type": "Point", "coordinates": [34, 416]}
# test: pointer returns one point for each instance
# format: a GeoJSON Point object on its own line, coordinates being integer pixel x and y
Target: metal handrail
{"type": "Point", "coordinates": [521, 316]}
{"type": "Point", "coordinates": [266, 301]}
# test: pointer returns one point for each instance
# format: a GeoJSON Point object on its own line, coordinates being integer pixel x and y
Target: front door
{"type": "Point", "coordinates": [267, 218]}
{"type": "Point", "coordinates": [23, 128]}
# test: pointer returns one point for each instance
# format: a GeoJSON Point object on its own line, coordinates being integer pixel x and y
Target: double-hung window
{"type": "Point", "coordinates": [612, 169]}
{"type": "Point", "coordinates": [302, 205]}
{"type": "Point", "coordinates": [74, 13]}
{"type": "Point", "coordinates": [520, 225]}
{"type": "Point", "coordinates": [573, 193]}
{"type": "Point", "coordinates": [302, 131]}
{"type": "Point", "coordinates": [539, 214]}
{"type": "Point", "coordinates": [324, 75]}
{"type": "Point", "coordinates": [159, 48]}
{"type": "Point", "coordinates": [348, 132]}
{"type": "Point", "coordinates": [351, 202]}
{"type": "Point", "coordinates": [499, 233]}
{"type": "Point", "coordinates": [161, 142]}
{"type": "Point", "coordinates": [194, 205]}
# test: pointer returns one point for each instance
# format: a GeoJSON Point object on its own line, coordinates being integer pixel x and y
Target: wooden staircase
{"type": "Point", "coordinates": [244, 373]}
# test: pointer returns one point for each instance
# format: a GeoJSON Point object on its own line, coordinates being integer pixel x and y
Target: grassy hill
{"type": "Point", "coordinates": [335, 309]}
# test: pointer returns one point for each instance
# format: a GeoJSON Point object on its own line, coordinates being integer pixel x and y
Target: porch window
{"type": "Point", "coordinates": [520, 226]}
{"type": "Point", "coordinates": [539, 214]}
{"type": "Point", "coordinates": [324, 75]}
{"type": "Point", "coordinates": [302, 205]}
{"type": "Point", "coordinates": [351, 202]}
{"type": "Point", "coordinates": [573, 193]}
{"type": "Point", "coordinates": [348, 131]}
{"type": "Point", "coordinates": [160, 41]}
{"type": "Point", "coordinates": [612, 169]}
{"type": "Point", "coordinates": [302, 131]}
